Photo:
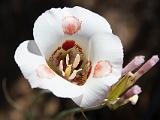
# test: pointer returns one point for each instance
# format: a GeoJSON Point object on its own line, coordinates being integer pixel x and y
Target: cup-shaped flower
{"type": "Point", "coordinates": [74, 55]}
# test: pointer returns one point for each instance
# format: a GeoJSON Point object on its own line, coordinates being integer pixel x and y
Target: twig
{"type": "Point", "coordinates": [8, 98]}
{"type": "Point", "coordinates": [84, 114]}
{"type": "Point", "coordinates": [76, 110]}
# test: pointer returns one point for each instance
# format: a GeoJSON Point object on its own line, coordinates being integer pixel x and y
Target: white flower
{"type": "Point", "coordinates": [74, 55]}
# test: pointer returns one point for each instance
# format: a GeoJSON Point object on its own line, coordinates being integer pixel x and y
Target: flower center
{"type": "Point", "coordinates": [69, 61]}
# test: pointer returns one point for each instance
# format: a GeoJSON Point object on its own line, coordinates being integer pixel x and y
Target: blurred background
{"type": "Point", "coordinates": [136, 22]}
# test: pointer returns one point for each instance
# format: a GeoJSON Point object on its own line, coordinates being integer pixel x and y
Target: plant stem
{"type": "Point", "coordinates": [76, 110]}
{"type": "Point", "coordinates": [8, 98]}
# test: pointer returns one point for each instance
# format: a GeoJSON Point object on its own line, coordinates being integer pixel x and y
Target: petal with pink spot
{"type": "Point", "coordinates": [71, 25]}
{"type": "Point", "coordinates": [43, 71]}
{"type": "Point", "coordinates": [102, 68]}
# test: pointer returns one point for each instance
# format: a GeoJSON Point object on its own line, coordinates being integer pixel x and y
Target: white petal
{"type": "Point", "coordinates": [104, 47]}
{"type": "Point", "coordinates": [108, 47]}
{"type": "Point", "coordinates": [35, 69]}
{"type": "Point", "coordinates": [95, 91]}
{"type": "Point", "coordinates": [28, 58]}
{"type": "Point", "coordinates": [94, 94]}
{"type": "Point", "coordinates": [102, 68]}
{"type": "Point", "coordinates": [91, 23]}
{"type": "Point", "coordinates": [49, 31]}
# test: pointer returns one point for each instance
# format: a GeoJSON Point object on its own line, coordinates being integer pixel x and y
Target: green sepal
{"type": "Point", "coordinates": [121, 86]}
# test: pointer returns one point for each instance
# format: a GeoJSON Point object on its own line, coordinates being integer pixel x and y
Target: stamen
{"type": "Point", "coordinates": [135, 63]}
{"type": "Point", "coordinates": [61, 67]}
{"type": "Point", "coordinates": [67, 59]}
{"type": "Point", "coordinates": [76, 61]}
{"type": "Point", "coordinates": [73, 75]}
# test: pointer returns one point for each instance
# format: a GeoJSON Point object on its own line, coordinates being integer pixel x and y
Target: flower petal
{"type": "Point", "coordinates": [95, 91]}
{"type": "Point", "coordinates": [55, 25]}
{"type": "Point", "coordinates": [47, 31]}
{"type": "Point", "coordinates": [94, 94]}
{"type": "Point", "coordinates": [36, 70]}
{"type": "Point", "coordinates": [91, 23]}
{"type": "Point", "coordinates": [105, 47]}
{"type": "Point", "coordinates": [28, 58]}
{"type": "Point", "coordinates": [102, 68]}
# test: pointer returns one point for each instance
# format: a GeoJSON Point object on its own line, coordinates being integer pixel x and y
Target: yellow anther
{"type": "Point", "coordinates": [68, 71]}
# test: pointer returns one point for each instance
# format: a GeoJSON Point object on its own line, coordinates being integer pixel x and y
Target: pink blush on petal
{"type": "Point", "coordinates": [102, 68]}
{"type": "Point", "coordinates": [71, 25]}
{"type": "Point", "coordinates": [43, 71]}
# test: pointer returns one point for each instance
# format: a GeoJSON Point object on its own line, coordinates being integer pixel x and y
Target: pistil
{"type": "Point", "coordinates": [70, 62]}
{"type": "Point", "coordinates": [70, 72]}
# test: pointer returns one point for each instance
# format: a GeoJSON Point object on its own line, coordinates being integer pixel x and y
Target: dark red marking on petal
{"type": "Point", "coordinates": [89, 72]}
{"type": "Point", "coordinates": [79, 48]}
{"type": "Point", "coordinates": [68, 44]}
